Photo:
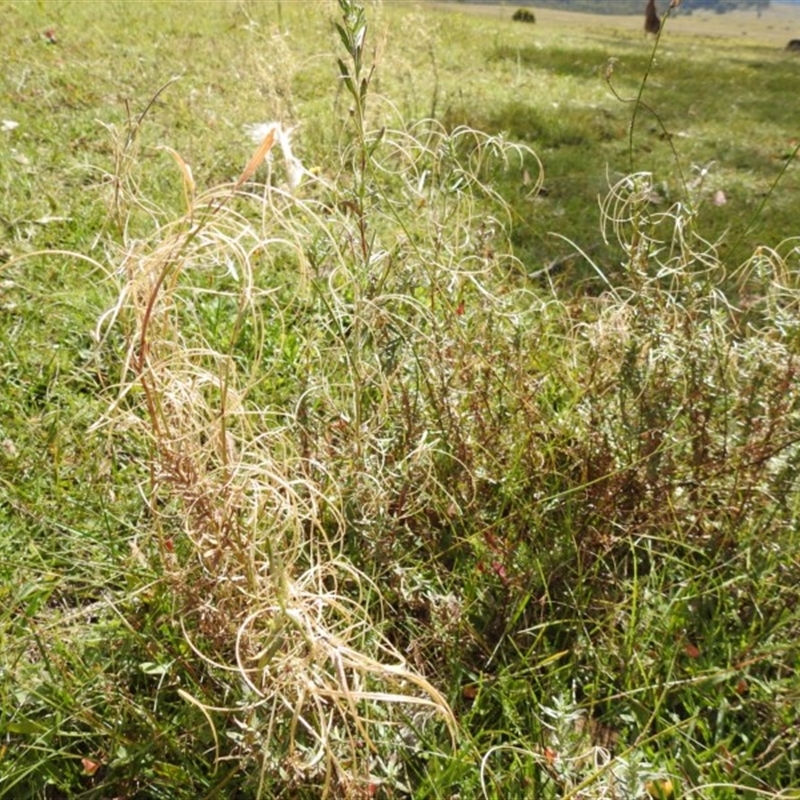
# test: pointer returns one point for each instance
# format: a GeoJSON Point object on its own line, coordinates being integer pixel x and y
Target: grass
{"type": "Point", "coordinates": [545, 87]}
{"type": "Point", "coordinates": [431, 476]}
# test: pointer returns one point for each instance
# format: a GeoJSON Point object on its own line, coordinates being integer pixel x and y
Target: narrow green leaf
{"type": "Point", "coordinates": [345, 37]}
{"type": "Point", "coordinates": [149, 668]}
{"type": "Point", "coordinates": [348, 81]}
{"type": "Point", "coordinates": [373, 145]}
{"type": "Point", "coordinates": [23, 727]}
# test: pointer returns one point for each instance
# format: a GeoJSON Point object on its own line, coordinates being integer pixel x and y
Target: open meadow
{"type": "Point", "coordinates": [398, 401]}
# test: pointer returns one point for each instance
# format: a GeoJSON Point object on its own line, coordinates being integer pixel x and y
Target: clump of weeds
{"type": "Point", "coordinates": [397, 519]}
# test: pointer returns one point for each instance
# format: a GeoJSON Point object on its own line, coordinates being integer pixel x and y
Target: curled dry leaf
{"type": "Point", "coordinates": [258, 157]}
{"type": "Point", "coordinates": [90, 766]}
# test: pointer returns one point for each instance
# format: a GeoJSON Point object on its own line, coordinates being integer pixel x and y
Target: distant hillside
{"type": "Point", "coordinates": [632, 6]}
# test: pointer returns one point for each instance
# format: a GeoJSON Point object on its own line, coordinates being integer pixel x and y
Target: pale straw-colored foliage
{"type": "Point", "coordinates": [248, 516]}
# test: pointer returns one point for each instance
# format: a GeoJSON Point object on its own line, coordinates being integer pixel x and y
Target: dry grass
{"type": "Point", "coordinates": [269, 598]}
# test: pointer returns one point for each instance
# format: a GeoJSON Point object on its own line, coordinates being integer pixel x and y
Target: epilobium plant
{"type": "Point", "coordinates": [272, 340]}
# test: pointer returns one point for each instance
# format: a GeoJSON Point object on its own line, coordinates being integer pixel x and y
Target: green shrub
{"type": "Point", "coordinates": [523, 15]}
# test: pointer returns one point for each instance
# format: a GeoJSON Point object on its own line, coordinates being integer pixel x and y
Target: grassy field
{"type": "Point", "coordinates": [774, 26]}
{"type": "Point", "coordinates": [441, 441]}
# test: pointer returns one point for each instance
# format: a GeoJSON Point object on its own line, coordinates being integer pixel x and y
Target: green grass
{"type": "Point", "coordinates": [470, 467]}
{"type": "Point", "coordinates": [545, 86]}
